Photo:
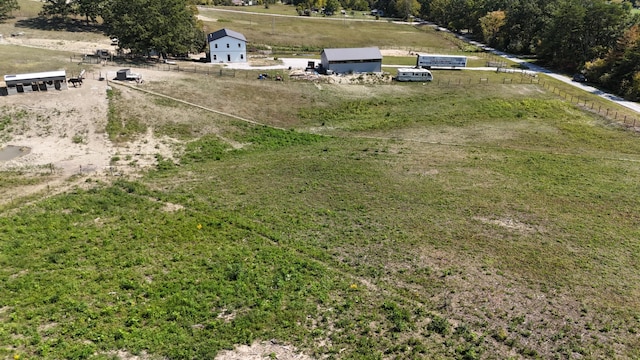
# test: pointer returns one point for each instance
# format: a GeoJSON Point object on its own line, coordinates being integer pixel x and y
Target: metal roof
{"type": "Point", "coordinates": [225, 32]}
{"type": "Point", "coordinates": [443, 56]}
{"type": "Point", "coordinates": [414, 70]}
{"type": "Point", "coordinates": [36, 76]}
{"type": "Point", "coordinates": [346, 54]}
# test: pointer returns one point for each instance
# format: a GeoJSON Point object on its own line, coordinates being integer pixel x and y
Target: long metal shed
{"type": "Point", "coordinates": [351, 60]}
{"type": "Point", "coordinates": [40, 81]}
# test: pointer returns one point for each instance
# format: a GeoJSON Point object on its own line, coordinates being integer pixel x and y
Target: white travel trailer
{"type": "Point", "coordinates": [428, 61]}
{"type": "Point", "coordinates": [414, 74]}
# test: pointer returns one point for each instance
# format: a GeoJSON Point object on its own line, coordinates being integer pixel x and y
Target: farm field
{"type": "Point", "coordinates": [304, 34]}
{"type": "Point", "coordinates": [467, 218]}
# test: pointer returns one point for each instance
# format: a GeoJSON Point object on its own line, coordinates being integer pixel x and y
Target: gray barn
{"type": "Point", "coordinates": [351, 60]}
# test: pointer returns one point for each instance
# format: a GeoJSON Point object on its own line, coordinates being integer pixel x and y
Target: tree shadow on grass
{"type": "Point", "coordinates": [60, 24]}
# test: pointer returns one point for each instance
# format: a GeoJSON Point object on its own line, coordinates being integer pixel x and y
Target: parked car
{"type": "Point", "coordinates": [579, 78]}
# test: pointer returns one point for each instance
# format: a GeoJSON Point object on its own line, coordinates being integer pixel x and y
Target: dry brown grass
{"type": "Point", "coordinates": [312, 33]}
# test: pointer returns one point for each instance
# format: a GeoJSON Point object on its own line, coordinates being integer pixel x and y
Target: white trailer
{"type": "Point", "coordinates": [427, 61]}
{"type": "Point", "coordinates": [414, 74]}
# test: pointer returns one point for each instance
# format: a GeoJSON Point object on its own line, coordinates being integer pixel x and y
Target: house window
{"type": "Point", "coordinates": [239, 46]}
{"type": "Point", "coordinates": [227, 45]}
{"type": "Point", "coordinates": [228, 57]}
{"type": "Point", "coordinates": [241, 56]}
{"type": "Point", "coordinates": [215, 57]}
{"type": "Point", "coordinates": [216, 46]}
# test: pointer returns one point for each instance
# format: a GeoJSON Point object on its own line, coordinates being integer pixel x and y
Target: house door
{"type": "Point", "coordinates": [228, 57]}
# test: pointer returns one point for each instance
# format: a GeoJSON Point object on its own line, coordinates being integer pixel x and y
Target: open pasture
{"type": "Point", "coordinates": [313, 34]}
{"type": "Point", "coordinates": [468, 218]}
{"type": "Point", "coordinates": [434, 221]}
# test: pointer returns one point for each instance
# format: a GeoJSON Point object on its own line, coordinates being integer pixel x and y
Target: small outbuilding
{"type": "Point", "coordinates": [351, 60]}
{"type": "Point", "coordinates": [127, 75]}
{"type": "Point", "coordinates": [227, 46]}
{"type": "Point", "coordinates": [40, 81]}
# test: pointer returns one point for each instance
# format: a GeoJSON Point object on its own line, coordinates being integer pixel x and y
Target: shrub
{"type": "Point", "coordinates": [439, 325]}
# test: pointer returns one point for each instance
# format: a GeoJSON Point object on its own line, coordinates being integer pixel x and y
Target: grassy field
{"type": "Point", "coordinates": [502, 221]}
{"type": "Point", "coordinates": [281, 9]}
{"type": "Point", "coordinates": [19, 59]}
{"type": "Point", "coordinates": [313, 34]}
{"type": "Point", "coordinates": [468, 218]}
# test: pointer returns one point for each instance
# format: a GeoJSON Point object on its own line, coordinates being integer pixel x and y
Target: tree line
{"type": "Point", "coordinates": [595, 37]}
{"type": "Point", "coordinates": [142, 26]}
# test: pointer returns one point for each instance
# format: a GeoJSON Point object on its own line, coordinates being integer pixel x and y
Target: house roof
{"type": "Point", "coordinates": [225, 32]}
{"type": "Point", "coordinates": [346, 54]}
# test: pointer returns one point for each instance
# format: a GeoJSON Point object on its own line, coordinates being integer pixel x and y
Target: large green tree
{"type": "Point", "coordinates": [579, 31]}
{"type": "Point", "coordinates": [524, 23]}
{"type": "Point", "coordinates": [457, 14]}
{"type": "Point", "coordinates": [163, 26]}
{"type": "Point", "coordinates": [491, 24]}
{"type": "Point", "coordinates": [6, 7]}
{"type": "Point", "coordinates": [620, 68]}
{"type": "Point", "coordinates": [58, 8]}
{"type": "Point", "coordinates": [407, 8]}
{"type": "Point", "coordinates": [331, 6]}
{"type": "Point", "coordinates": [91, 10]}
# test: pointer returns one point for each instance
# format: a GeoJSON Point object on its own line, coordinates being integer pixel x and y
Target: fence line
{"type": "Point", "coordinates": [586, 104]}
{"type": "Point", "coordinates": [205, 70]}
{"type": "Point", "coordinates": [527, 77]}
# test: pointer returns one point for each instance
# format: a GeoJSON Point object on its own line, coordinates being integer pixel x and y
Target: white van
{"type": "Point", "coordinates": [414, 74]}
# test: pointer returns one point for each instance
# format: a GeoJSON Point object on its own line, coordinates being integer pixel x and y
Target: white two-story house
{"type": "Point", "coordinates": [227, 46]}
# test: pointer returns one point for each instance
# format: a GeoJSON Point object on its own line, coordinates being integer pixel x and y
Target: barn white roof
{"type": "Point", "coordinates": [413, 70]}
{"type": "Point", "coordinates": [39, 76]}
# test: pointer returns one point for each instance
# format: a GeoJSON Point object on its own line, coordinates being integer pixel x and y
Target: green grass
{"type": "Point", "coordinates": [27, 9]}
{"type": "Point", "coordinates": [20, 59]}
{"type": "Point", "coordinates": [122, 126]}
{"type": "Point", "coordinates": [478, 216]}
{"type": "Point", "coordinates": [314, 34]}
{"type": "Point", "coordinates": [304, 238]}
{"type": "Point", "coordinates": [281, 9]}
{"type": "Point", "coordinates": [399, 60]}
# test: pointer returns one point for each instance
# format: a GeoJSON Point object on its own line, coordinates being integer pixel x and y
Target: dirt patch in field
{"type": "Point", "coordinates": [396, 52]}
{"type": "Point", "coordinates": [511, 224]}
{"type": "Point", "coordinates": [125, 355]}
{"type": "Point", "coordinates": [206, 18]}
{"type": "Point", "coordinates": [262, 350]}
{"type": "Point", "coordinates": [64, 132]}
{"type": "Point", "coordinates": [80, 47]}
{"type": "Point", "coordinates": [347, 79]}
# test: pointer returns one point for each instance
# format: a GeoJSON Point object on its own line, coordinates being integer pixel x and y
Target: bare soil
{"type": "Point", "coordinates": [262, 350]}
{"type": "Point", "coordinates": [63, 134]}
{"type": "Point", "coordinates": [79, 47]}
